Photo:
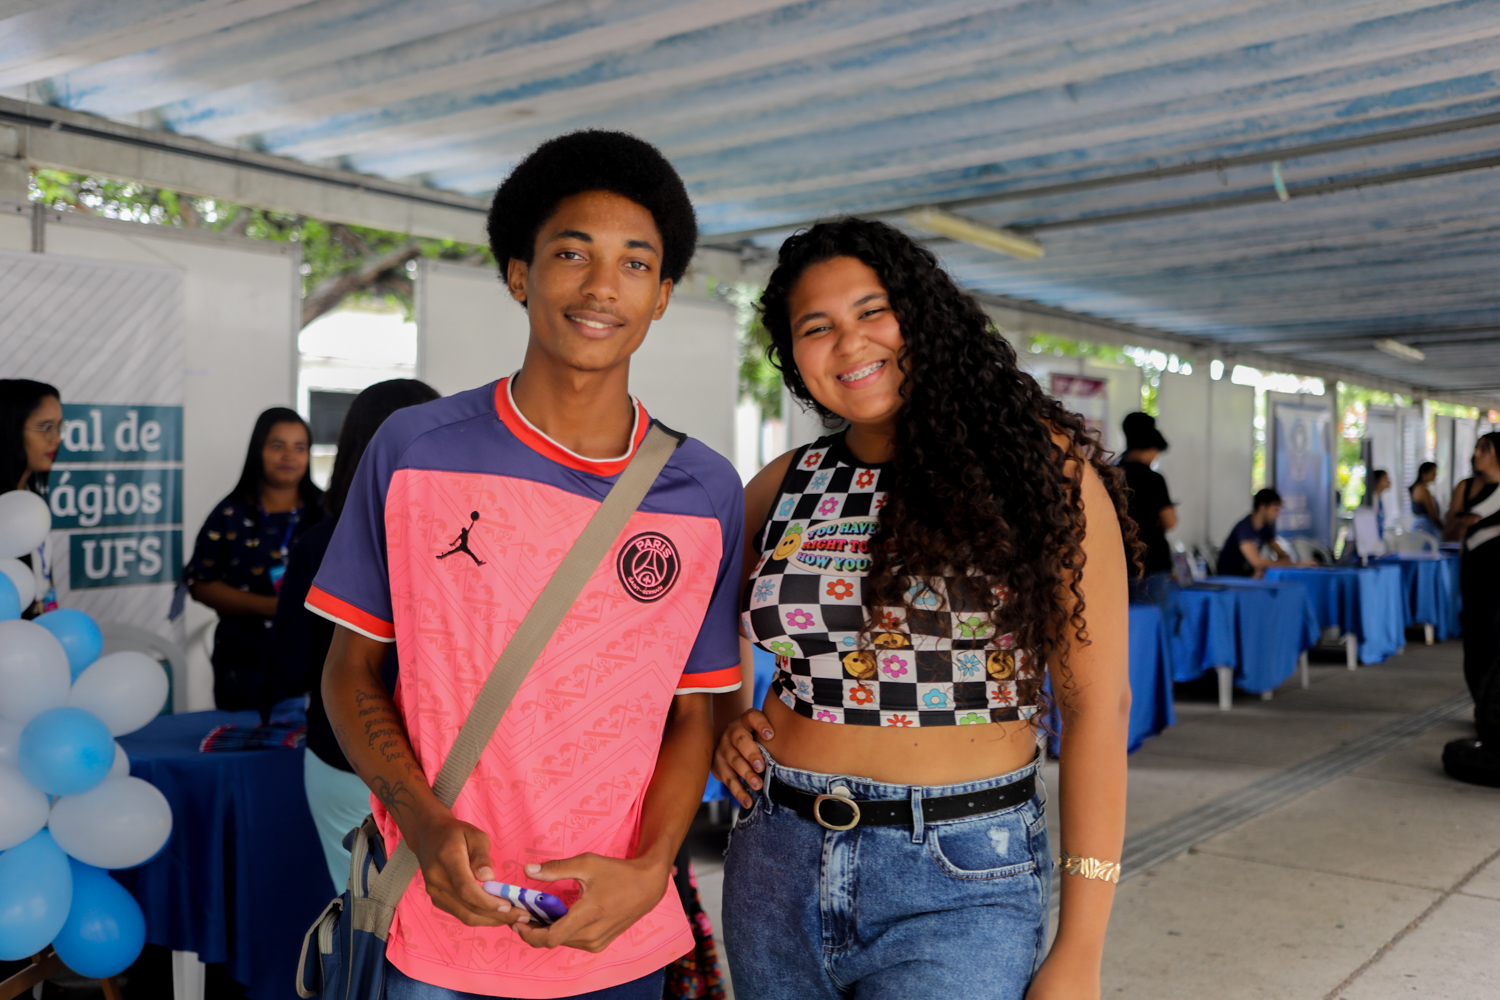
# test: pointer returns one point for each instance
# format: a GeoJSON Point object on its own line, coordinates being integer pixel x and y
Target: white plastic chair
{"type": "Point", "coordinates": [119, 637]}
{"type": "Point", "coordinates": [1413, 540]}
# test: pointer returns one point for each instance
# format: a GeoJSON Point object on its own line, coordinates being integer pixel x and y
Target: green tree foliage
{"type": "Point", "coordinates": [760, 382]}
{"type": "Point", "coordinates": [340, 263]}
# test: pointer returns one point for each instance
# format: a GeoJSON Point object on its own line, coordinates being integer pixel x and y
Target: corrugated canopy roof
{"type": "Point", "coordinates": [1134, 138]}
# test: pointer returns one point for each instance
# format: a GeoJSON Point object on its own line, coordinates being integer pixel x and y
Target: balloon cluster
{"type": "Point", "coordinates": [69, 808]}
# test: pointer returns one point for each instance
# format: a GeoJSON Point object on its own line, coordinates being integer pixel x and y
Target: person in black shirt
{"type": "Point", "coordinates": [299, 639]}
{"type": "Point", "coordinates": [1151, 506]}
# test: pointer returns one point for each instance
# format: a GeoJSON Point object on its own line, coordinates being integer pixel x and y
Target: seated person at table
{"type": "Point", "coordinates": [459, 513]}
{"type": "Point", "coordinates": [1240, 555]}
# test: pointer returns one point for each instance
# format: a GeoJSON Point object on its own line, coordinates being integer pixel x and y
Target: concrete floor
{"type": "Point", "coordinates": [1383, 882]}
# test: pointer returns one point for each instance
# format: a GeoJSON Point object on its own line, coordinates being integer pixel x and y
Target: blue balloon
{"type": "Point", "coordinates": [105, 929]}
{"type": "Point", "coordinates": [36, 888]}
{"type": "Point", "coordinates": [65, 751]}
{"type": "Point", "coordinates": [79, 635]}
{"type": "Point", "coordinates": [10, 600]}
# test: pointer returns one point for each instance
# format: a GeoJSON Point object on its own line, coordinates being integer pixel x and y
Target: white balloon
{"type": "Point", "coordinates": [126, 690]}
{"type": "Point", "coordinates": [23, 808]}
{"type": "Point", "coordinates": [121, 767]}
{"type": "Point", "coordinates": [34, 672]}
{"type": "Point", "coordinates": [10, 742]}
{"type": "Point", "coordinates": [24, 522]}
{"type": "Point", "coordinates": [118, 823]}
{"type": "Point", "coordinates": [21, 575]}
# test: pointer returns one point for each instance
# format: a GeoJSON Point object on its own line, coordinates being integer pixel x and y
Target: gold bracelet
{"type": "Point", "coordinates": [1106, 871]}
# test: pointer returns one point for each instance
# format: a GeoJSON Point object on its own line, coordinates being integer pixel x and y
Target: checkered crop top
{"type": "Point", "coordinates": [934, 662]}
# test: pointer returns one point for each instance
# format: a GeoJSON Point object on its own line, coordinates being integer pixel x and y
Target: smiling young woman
{"type": "Point", "coordinates": [918, 575]}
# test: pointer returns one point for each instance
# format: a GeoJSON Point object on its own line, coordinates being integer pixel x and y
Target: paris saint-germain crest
{"type": "Point", "coordinates": [648, 566]}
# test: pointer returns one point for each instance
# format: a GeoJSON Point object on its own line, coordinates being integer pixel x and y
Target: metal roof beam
{"type": "Point", "coordinates": [82, 143]}
{"type": "Point", "coordinates": [1020, 316]}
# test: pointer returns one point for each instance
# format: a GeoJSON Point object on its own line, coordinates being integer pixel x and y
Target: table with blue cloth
{"type": "Point", "coordinates": [765, 670]}
{"type": "Point", "coordinates": [1150, 682]}
{"type": "Point", "coordinates": [1429, 589]}
{"type": "Point", "coordinates": [1364, 602]}
{"type": "Point", "coordinates": [1252, 632]}
{"type": "Point", "coordinates": [1150, 675]}
{"type": "Point", "coordinates": [243, 875]}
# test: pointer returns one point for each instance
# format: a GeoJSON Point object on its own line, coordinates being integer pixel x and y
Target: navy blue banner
{"type": "Point", "coordinates": [1304, 470]}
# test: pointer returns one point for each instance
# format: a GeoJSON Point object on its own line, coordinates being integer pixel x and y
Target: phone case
{"type": "Point", "coordinates": [544, 907]}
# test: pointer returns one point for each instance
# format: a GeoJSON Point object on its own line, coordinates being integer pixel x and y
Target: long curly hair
{"type": "Point", "coordinates": [976, 486]}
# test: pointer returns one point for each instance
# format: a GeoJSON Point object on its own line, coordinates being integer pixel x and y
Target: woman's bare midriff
{"type": "Point", "coordinates": [936, 755]}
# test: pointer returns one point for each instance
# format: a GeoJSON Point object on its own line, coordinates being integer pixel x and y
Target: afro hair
{"type": "Point", "coordinates": [592, 160]}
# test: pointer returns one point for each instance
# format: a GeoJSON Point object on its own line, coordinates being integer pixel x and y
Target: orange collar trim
{"type": "Point", "coordinates": [533, 438]}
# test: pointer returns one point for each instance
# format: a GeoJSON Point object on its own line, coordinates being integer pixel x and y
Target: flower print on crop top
{"type": "Point", "coordinates": [936, 662]}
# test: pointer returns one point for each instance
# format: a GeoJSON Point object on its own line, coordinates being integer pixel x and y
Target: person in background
{"type": "Point", "coordinates": [240, 554]}
{"type": "Point", "coordinates": [1466, 493]}
{"type": "Point", "coordinates": [1151, 506]}
{"type": "Point", "coordinates": [299, 640]}
{"type": "Point", "coordinates": [1380, 481]}
{"type": "Point", "coordinates": [30, 435]}
{"type": "Point", "coordinates": [1240, 555]}
{"type": "Point", "coordinates": [1476, 518]}
{"type": "Point", "coordinates": [1429, 517]}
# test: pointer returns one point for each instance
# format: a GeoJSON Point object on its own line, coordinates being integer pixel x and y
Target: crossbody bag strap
{"type": "Point", "coordinates": [532, 636]}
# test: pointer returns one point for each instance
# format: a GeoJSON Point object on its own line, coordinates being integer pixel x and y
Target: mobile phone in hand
{"type": "Point", "coordinates": [545, 908]}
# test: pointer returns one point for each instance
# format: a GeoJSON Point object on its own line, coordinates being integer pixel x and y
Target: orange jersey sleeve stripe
{"type": "Point", "coordinates": [716, 681]}
{"type": "Point", "coordinates": [345, 613]}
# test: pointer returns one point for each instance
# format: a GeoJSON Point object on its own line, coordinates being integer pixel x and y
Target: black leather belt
{"type": "Point", "coordinates": [842, 812]}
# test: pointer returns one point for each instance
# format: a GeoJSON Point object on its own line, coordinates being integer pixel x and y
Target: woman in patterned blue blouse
{"type": "Point", "coordinates": [241, 551]}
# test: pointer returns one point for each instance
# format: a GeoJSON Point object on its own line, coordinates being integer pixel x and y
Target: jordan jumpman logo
{"type": "Point", "coordinates": [461, 543]}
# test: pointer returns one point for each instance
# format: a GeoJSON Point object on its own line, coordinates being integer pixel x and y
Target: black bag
{"type": "Point", "coordinates": [1477, 761]}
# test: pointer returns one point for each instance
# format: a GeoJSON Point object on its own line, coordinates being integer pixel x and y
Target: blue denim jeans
{"type": "Point", "coordinates": [951, 909]}
{"type": "Point", "coordinates": [400, 986]}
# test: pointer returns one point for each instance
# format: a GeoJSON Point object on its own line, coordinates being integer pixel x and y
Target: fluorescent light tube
{"type": "Point", "coordinates": [1396, 349]}
{"type": "Point", "coordinates": [956, 227]}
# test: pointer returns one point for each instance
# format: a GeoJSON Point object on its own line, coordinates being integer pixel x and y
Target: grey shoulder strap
{"type": "Point", "coordinates": [531, 637]}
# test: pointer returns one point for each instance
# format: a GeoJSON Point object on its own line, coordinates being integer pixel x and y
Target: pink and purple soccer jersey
{"type": "Point", "coordinates": [459, 514]}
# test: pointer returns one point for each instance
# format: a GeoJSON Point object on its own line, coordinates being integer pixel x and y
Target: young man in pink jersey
{"type": "Point", "coordinates": [459, 514]}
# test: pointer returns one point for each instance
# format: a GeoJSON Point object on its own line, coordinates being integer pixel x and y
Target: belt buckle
{"type": "Point", "coordinates": [840, 795]}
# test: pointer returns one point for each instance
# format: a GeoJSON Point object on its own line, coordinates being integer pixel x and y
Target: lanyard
{"type": "Point", "coordinates": [286, 539]}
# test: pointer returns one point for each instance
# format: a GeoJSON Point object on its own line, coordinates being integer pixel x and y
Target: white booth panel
{"type": "Point", "coordinates": [1184, 419]}
{"type": "Point", "coordinates": [242, 302]}
{"type": "Point", "coordinates": [241, 309]}
{"type": "Point", "coordinates": [1211, 429]}
{"type": "Point", "coordinates": [15, 226]}
{"type": "Point", "coordinates": [1231, 456]}
{"type": "Point", "coordinates": [470, 331]}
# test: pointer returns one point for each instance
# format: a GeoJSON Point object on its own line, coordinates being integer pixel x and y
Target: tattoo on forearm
{"type": "Point", "coordinates": [398, 800]}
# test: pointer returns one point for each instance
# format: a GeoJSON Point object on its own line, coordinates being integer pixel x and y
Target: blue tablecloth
{"type": "Point", "coordinates": [765, 670]}
{"type": "Point", "coordinates": [1150, 675]}
{"type": "Point", "coordinates": [243, 875]}
{"type": "Point", "coordinates": [1366, 601]}
{"type": "Point", "coordinates": [1258, 627]}
{"type": "Point", "coordinates": [1429, 588]}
